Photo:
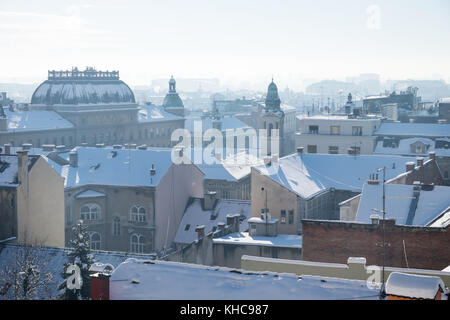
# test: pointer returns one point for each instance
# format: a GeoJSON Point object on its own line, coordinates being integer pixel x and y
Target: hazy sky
{"type": "Point", "coordinates": [235, 40]}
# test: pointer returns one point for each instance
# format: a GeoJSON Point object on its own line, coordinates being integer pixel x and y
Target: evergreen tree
{"type": "Point", "coordinates": [79, 255]}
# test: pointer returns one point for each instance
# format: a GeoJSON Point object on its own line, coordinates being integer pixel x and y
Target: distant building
{"type": "Point", "coordinates": [444, 109]}
{"type": "Point", "coordinates": [89, 107]}
{"type": "Point", "coordinates": [31, 200]}
{"type": "Point", "coordinates": [407, 100]}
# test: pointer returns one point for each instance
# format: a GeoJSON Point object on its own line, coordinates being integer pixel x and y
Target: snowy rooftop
{"type": "Point", "coordinates": [413, 286]}
{"type": "Point", "coordinates": [207, 123]}
{"type": "Point", "coordinates": [56, 257]}
{"type": "Point", "coordinates": [414, 129]}
{"type": "Point", "coordinates": [89, 194]}
{"type": "Point", "coordinates": [35, 120]}
{"type": "Point", "coordinates": [195, 216]}
{"type": "Point", "coordinates": [9, 169]}
{"type": "Point", "coordinates": [118, 167]}
{"type": "Point", "coordinates": [232, 168]}
{"type": "Point", "coordinates": [431, 204]}
{"type": "Point", "coordinates": [309, 174]}
{"type": "Point", "coordinates": [152, 113]}
{"type": "Point", "coordinates": [404, 148]}
{"type": "Point", "coordinates": [138, 280]}
{"type": "Point", "coordinates": [243, 238]}
{"type": "Point", "coordinates": [335, 117]}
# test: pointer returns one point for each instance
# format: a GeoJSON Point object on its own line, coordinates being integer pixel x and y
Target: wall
{"type": "Point", "coordinates": [40, 207]}
{"type": "Point", "coordinates": [8, 225]}
{"type": "Point", "coordinates": [172, 194]}
{"type": "Point", "coordinates": [329, 241]}
{"type": "Point", "coordinates": [351, 269]}
{"type": "Point", "coordinates": [278, 198]}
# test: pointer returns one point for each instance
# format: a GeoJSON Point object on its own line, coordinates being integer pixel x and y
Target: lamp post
{"type": "Point", "coordinates": [382, 289]}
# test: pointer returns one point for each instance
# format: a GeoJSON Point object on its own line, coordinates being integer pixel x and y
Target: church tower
{"type": "Point", "coordinates": [172, 102]}
{"type": "Point", "coordinates": [272, 118]}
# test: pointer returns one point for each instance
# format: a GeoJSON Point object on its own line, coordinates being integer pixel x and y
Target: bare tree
{"type": "Point", "coordinates": [27, 275]}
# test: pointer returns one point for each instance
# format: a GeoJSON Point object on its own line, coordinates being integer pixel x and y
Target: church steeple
{"type": "Point", "coordinates": [273, 101]}
{"type": "Point", "coordinates": [172, 102]}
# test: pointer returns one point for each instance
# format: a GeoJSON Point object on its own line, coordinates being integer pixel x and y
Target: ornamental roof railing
{"type": "Point", "coordinates": [88, 74]}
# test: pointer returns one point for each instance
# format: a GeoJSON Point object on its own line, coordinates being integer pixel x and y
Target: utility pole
{"type": "Point", "coordinates": [382, 289]}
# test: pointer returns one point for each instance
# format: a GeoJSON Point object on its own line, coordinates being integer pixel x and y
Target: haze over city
{"type": "Point", "coordinates": [239, 42]}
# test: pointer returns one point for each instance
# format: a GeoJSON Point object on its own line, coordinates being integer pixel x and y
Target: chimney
{"type": "Point", "coordinates": [84, 144]}
{"type": "Point", "coordinates": [300, 149]}
{"type": "Point", "coordinates": [432, 155]}
{"type": "Point", "coordinates": [221, 227]}
{"type": "Point", "coordinates": [209, 200]}
{"type": "Point", "coordinates": [117, 146]}
{"type": "Point", "coordinates": [373, 182]}
{"type": "Point", "coordinates": [22, 168]}
{"type": "Point", "coordinates": [73, 158]}
{"type": "Point", "coordinates": [375, 219]}
{"type": "Point", "coordinates": [99, 286]}
{"type": "Point", "coordinates": [200, 231]}
{"type": "Point", "coordinates": [409, 166]}
{"type": "Point", "coordinates": [100, 145]}
{"type": "Point", "coordinates": [48, 147]}
{"type": "Point", "coordinates": [61, 148]}
{"type": "Point", "coordinates": [233, 222]}
{"type": "Point", "coordinates": [419, 161]}
{"type": "Point", "coordinates": [133, 146]}
{"type": "Point", "coordinates": [268, 161]}
{"type": "Point", "coordinates": [7, 149]}
{"type": "Point", "coordinates": [152, 170]}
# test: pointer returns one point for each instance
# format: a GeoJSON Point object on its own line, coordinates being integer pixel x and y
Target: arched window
{"type": "Point", "coordinates": [90, 211]}
{"type": "Point", "coordinates": [138, 214]}
{"type": "Point", "coordinates": [137, 243]}
{"type": "Point", "coordinates": [116, 226]}
{"type": "Point", "coordinates": [95, 240]}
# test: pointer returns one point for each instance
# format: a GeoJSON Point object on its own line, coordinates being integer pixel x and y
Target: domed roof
{"type": "Point", "coordinates": [82, 87]}
{"type": "Point", "coordinates": [272, 99]}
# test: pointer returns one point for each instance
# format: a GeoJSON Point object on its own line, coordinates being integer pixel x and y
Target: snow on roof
{"type": "Point", "coordinates": [309, 174]}
{"type": "Point", "coordinates": [35, 120]}
{"type": "Point", "coordinates": [9, 169]}
{"type": "Point", "coordinates": [207, 123]}
{"type": "Point", "coordinates": [118, 167]}
{"type": "Point", "coordinates": [56, 257]}
{"type": "Point", "coordinates": [404, 148]}
{"type": "Point", "coordinates": [89, 194]}
{"type": "Point", "coordinates": [232, 168]}
{"type": "Point", "coordinates": [413, 286]}
{"type": "Point", "coordinates": [287, 108]}
{"type": "Point", "coordinates": [332, 117]}
{"type": "Point", "coordinates": [173, 280]}
{"type": "Point", "coordinates": [443, 221]}
{"type": "Point", "coordinates": [431, 204]}
{"type": "Point", "coordinates": [152, 113]}
{"type": "Point", "coordinates": [414, 129]}
{"type": "Point", "coordinates": [243, 238]}
{"type": "Point", "coordinates": [195, 216]}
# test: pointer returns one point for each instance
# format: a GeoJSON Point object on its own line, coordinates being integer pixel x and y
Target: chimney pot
{"type": "Point", "coordinates": [419, 161]}
{"type": "Point", "coordinates": [200, 231]}
{"type": "Point", "coordinates": [73, 159]}
{"type": "Point", "coordinates": [432, 155]}
{"type": "Point", "coordinates": [409, 166]}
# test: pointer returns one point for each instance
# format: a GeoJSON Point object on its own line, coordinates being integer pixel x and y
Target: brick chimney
{"type": "Point", "coordinates": [200, 231]}
{"type": "Point", "coordinates": [432, 155]}
{"type": "Point", "coordinates": [409, 166]}
{"type": "Point", "coordinates": [99, 286]}
{"type": "Point", "coordinates": [73, 158]}
{"type": "Point", "coordinates": [419, 161]}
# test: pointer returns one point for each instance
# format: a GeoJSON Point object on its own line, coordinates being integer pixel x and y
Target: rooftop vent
{"type": "Point", "coordinates": [152, 170]}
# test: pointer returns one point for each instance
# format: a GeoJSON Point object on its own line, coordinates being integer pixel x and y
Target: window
{"type": "Point", "coordinates": [116, 226]}
{"type": "Point", "coordinates": [90, 211]}
{"type": "Point", "coordinates": [138, 214]}
{"type": "Point", "coordinates": [357, 131]}
{"type": "Point", "coordinates": [137, 243]}
{"type": "Point", "coordinates": [314, 129]}
{"type": "Point", "coordinates": [312, 148]}
{"type": "Point", "coordinates": [335, 130]}
{"type": "Point", "coordinates": [187, 227]}
{"type": "Point", "coordinates": [291, 217]}
{"type": "Point", "coordinates": [333, 149]}
{"type": "Point", "coordinates": [95, 240]}
{"type": "Point", "coordinates": [283, 216]}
